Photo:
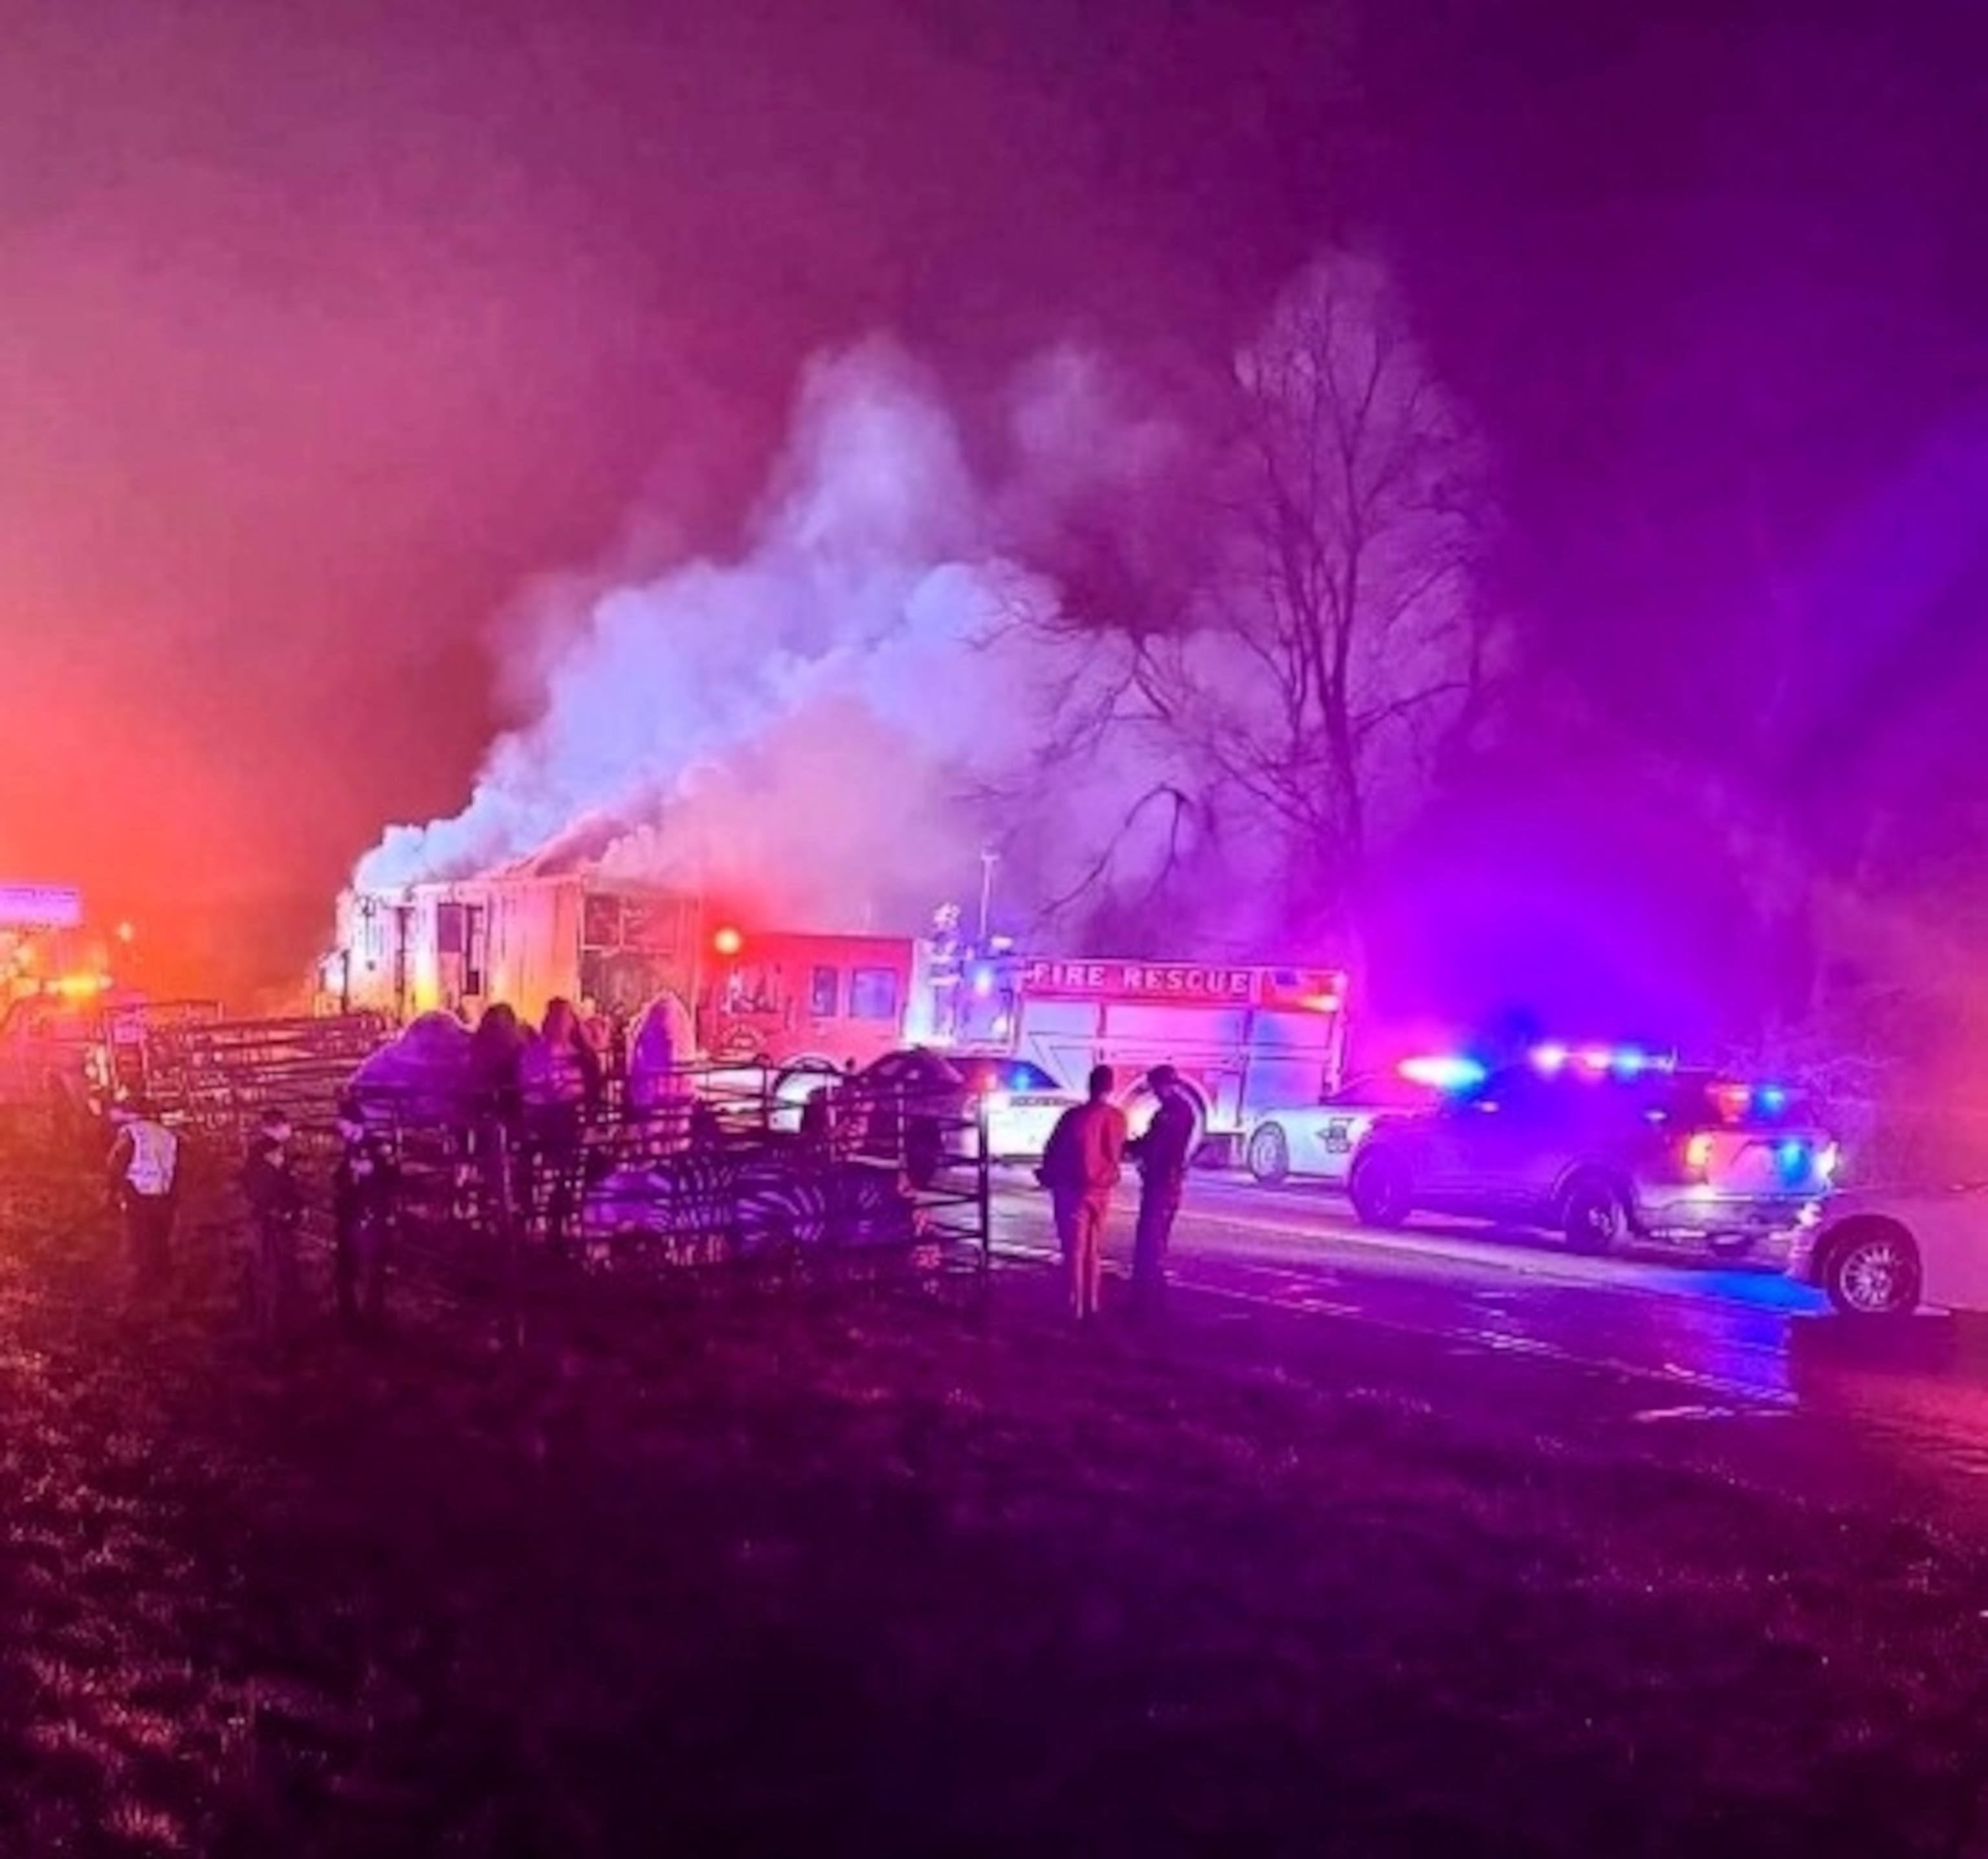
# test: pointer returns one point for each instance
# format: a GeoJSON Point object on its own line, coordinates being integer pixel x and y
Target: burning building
{"type": "Point", "coordinates": [523, 935]}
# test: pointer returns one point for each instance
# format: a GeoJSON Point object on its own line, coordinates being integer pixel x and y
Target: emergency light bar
{"type": "Point", "coordinates": [1624, 1061]}
{"type": "Point", "coordinates": [1735, 1101]}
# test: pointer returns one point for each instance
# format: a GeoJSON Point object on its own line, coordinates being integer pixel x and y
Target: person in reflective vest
{"type": "Point", "coordinates": [145, 1175]}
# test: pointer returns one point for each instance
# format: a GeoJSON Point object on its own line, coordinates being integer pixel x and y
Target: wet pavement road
{"type": "Point", "coordinates": [1753, 1365]}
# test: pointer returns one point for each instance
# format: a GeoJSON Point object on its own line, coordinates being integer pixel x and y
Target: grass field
{"type": "Point", "coordinates": [910, 1570]}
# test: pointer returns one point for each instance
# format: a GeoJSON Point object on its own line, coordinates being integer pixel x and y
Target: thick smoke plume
{"type": "Point", "coordinates": [830, 728]}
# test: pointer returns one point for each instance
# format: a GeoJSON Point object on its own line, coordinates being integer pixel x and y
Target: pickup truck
{"type": "Point", "coordinates": [77, 1052]}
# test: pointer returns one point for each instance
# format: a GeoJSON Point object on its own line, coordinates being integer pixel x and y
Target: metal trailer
{"type": "Point", "coordinates": [520, 938]}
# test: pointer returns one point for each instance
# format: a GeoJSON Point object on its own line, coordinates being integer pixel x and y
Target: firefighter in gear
{"type": "Point", "coordinates": [275, 1200]}
{"type": "Point", "coordinates": [145, 1175]}
{"type": "Point", "coordinates": [1081, 1165]}
{"type": "Point", "coordinates": [365, 1209]}
{"type": "Point", "coordinates": [1162, 1153]}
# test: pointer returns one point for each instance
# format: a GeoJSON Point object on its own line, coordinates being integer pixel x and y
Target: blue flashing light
{"type": "Point", "coordinates": [1772, 1100]}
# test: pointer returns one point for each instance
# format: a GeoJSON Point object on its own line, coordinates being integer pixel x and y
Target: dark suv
{"type": "Point", "coordinates": [1582, 1146]}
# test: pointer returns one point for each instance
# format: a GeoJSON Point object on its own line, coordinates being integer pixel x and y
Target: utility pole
{"type": "Point", "coordinates": [988, 861]}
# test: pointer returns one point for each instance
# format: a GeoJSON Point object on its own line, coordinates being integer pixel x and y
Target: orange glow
{"type": "Point", "coordinates": [727, 942]}
{"type": "Point", "coordinates": [80, 987]}
{"type": "Point", "coordinates": [1697, 1154]}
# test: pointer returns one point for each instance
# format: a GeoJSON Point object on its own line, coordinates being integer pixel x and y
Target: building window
{"type": "Point", "coordinates": [475, 947]}
{"type": "Point", "coordinates": [824, 993]}
{"type": "Point", "coordinates": [873, 994]}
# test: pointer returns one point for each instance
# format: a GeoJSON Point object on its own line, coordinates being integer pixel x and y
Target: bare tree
{"type": "Point", "coordinates": [1334, 649]}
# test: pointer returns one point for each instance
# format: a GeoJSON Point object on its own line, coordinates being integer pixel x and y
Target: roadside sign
{"type": "Point", "coordinates": [40, 906]}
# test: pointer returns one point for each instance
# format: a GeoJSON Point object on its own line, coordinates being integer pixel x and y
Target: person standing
{"type": "Point", "coordinates": [561, 1079]}
{"type": "Point", "coordinates": [1082, 1163]}
{"type": "Point", "coordinates": [275, 1200]}
{"type": "Point", "coordinates": [493, 1118]}
{"type": "Point", "coordinates": [365, 1206]}
{"type": "Point", "coordinates": [145, 1175]}
{"type": "Point", "coordinates": [1163, 1154]}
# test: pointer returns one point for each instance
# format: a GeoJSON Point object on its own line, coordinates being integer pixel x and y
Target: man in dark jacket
{"type": "Point", "coordinates": [275, 1200]}
{"type": "Point", "coordinates": [1163, 1153]}
{"type": "Point", "coordinates": [365, 1207]}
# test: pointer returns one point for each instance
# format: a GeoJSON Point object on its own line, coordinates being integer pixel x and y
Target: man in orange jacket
{"type": "Point", "coordinates": [1081, 1163]}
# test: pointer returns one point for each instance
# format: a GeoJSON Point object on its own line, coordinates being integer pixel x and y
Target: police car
{"type": "Point", "coordinates": [1602, 1145]}
{"type": "Point", "coordinates": [1883, 1252]}
{"type": "Point", "coordinates": [1318, 1141]}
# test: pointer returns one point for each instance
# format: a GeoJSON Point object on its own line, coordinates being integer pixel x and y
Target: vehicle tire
{"type": "Point", "coordinates": [1593, 1216]}
{"type": "Point", "coordinates": [1268, 1158]}
{"type": "Point", "coordinates": [1380, 1190]}
{"type": "Point", "coordinates": [1872, 1269]}
{"type": "Point", "coordinates": [1140, 1105]}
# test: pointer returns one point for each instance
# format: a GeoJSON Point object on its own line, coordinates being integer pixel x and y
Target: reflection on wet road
{"type": "Point", "coordinates": [1690, 1341]}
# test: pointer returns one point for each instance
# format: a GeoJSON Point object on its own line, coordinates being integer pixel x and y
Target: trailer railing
{"type": "Point", "coordinates": [217, 1078]}
{"type": "Point", "coordinates": [706, 1165]}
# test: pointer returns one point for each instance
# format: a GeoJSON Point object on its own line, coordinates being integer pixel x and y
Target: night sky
{"type": "Point", "coordinates": [327, 327]}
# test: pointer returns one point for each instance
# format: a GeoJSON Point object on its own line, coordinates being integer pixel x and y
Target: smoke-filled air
{"type": "Point", "coordinates": [836, 723]}
{"type": "Point", "coordinates": [1066, 658]}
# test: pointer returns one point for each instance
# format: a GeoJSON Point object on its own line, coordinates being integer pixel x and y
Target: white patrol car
{"type": "Point", "coordinates": [1883, 1252]}
{"type": "Point", "coordinates": [1317, 1141]}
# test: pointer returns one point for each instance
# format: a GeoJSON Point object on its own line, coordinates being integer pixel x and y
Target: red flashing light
{"type": "Point", "coordinates": [1734, 1101]}
{"type": "Point", "coordinates": [727, 942]}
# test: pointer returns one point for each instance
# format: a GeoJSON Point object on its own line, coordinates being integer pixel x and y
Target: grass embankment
{"type": "Point", "coordinates": [891, 1572]}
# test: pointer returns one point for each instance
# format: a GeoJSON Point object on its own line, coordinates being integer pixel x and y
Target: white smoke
{"type": "Point", "coordinates": [831, 727]}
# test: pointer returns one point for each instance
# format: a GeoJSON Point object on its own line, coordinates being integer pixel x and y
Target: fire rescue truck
{"type": "Point", "coordinates": [1242, 1037]}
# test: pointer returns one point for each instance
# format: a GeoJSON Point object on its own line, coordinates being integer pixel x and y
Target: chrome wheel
{"type": "Point", "coordinates": [1877, 1276]}
{"type": "Point", "coordinates": [1270, 1157]}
